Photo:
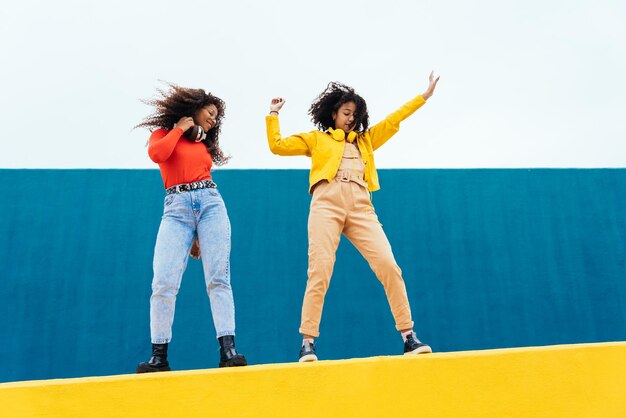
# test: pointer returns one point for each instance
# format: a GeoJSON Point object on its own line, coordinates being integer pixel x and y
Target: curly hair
{"type": "Point", "coordinates": [179, 101]}
{"type": "Point", "coordinates": [330, 100]}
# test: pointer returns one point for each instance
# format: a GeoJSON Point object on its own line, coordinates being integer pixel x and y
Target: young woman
{"type": "Point", "coordinates": [184, 143]}
{"type": "Point", "coordinates": [341, 179]}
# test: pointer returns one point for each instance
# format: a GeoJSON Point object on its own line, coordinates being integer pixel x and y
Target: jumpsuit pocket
{"type": "Point", "coordinates": [370, 211]}
{"type": "Point", "coordinates": [319, 190]}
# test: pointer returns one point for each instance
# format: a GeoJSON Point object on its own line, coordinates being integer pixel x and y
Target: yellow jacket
{"type": "Point", "coordinates": [326, 149]}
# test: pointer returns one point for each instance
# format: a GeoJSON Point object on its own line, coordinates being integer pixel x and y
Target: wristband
{"type": "Point", "coordinates": [273, 111]}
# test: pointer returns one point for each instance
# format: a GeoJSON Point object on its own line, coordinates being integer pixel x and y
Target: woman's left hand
{"type": "Point", "coordinates": [432, 83]}
{"type": "Point", "coordinates": [195, 249]}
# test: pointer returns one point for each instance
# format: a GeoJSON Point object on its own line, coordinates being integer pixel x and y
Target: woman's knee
{"type": "Point", "coordinates": [386, 267]}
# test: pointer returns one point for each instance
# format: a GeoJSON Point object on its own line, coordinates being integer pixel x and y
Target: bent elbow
{"type": "Point", "coordinates": [275, 149]}
{"type": "Point", "coordinates": [156, 156]}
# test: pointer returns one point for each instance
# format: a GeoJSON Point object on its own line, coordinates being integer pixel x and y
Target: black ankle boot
{"type": "Point", "coordinates": [228, 355]}
{"type": "Point", "coordinates": [158, 361]}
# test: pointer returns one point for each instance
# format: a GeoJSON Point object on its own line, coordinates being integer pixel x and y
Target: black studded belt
{"type": "Point", "coordinates": [202, 184]}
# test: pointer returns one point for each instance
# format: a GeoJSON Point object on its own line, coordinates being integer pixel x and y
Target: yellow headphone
{"type": "Point", "coordinates": [340, 135]}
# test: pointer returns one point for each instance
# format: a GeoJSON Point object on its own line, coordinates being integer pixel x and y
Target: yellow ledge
{"type": "Point", "coordinates": [582, 380]}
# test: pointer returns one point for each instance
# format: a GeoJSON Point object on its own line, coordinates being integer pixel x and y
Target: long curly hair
{"type": "Point", "coordinates": [330, 100]}
{"type": "Point", "coordinates": [173, 104]}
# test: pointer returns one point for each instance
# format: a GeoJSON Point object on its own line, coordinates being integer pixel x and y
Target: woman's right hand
{"type": "Point", "coordinates": [276, 104]}
{"type": "Point", "coordinates": [195, 249]}
{"type": "Point", "coordinates": [185, 123]}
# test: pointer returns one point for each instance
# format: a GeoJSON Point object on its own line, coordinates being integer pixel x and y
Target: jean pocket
{"type": "Point", "coordinates": [168, 199]}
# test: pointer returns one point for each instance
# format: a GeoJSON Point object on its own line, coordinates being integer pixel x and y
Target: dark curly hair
{"type": "Point", "coordinates": [330, 100]}
{"type": "Point", "coordinates": [179, 101]}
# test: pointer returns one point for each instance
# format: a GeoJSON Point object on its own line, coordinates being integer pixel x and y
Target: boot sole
{"type": "Point", "coordinates": [235, 362]}
{"type": "Point", "coordinates": [152, 370]}
{"type": "Point", "coordinates": [420, 350]}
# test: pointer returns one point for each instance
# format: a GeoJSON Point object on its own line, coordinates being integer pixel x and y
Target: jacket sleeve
{"type": "Point", "coordinates": [162, 144]}
{"type": "Point", "coordinates": [300, 144]}
{"type": "Point", "coordinates": [385, 129]}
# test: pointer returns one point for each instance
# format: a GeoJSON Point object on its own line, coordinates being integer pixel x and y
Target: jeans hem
{"type": "Point", "coordinates": [161, 341]}
{"type": "Point", "coordinates": [225, 333]}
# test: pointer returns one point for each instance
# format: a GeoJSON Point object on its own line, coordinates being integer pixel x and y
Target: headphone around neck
{"type": "Point", "coordinates": [195, 134]}
{"type": "Point", "coordinates": [340, 135]}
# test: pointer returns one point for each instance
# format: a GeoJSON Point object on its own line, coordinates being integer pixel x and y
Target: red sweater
{"type": "Point", "coordinates": [180, 161]}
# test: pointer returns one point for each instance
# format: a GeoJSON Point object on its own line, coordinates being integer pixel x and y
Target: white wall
{"type": "Point", "coordinates": [523, 83]}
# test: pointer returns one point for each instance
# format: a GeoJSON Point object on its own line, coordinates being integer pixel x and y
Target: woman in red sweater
{"type": "Point", "coordinates": [184, 143]}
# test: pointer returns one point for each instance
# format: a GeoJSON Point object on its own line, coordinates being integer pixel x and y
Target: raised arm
{"type": "Point", "coordinates": [300, 144]}
{"type": "Point", "coordinates": [161, 146]}
{"type": "Point", "coordinates": [385, 129]}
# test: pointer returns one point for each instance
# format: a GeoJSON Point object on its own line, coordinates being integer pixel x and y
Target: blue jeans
{"type": "Point", "coordinates": [203, 213]}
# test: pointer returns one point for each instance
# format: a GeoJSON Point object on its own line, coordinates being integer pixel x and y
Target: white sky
{"type": "Point", "coordinates": [536, 83]}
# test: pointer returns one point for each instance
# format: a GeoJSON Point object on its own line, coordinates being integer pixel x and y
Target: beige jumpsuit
{"type": "Point", "coordinates": [343, 206]}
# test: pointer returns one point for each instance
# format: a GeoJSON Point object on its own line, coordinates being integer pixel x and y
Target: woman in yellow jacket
{"type": "Point", "coordinates": [342, 175]}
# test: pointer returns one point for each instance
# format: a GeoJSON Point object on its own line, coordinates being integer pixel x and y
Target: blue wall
{"type": "Point", "coordinates": [492, 258]}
